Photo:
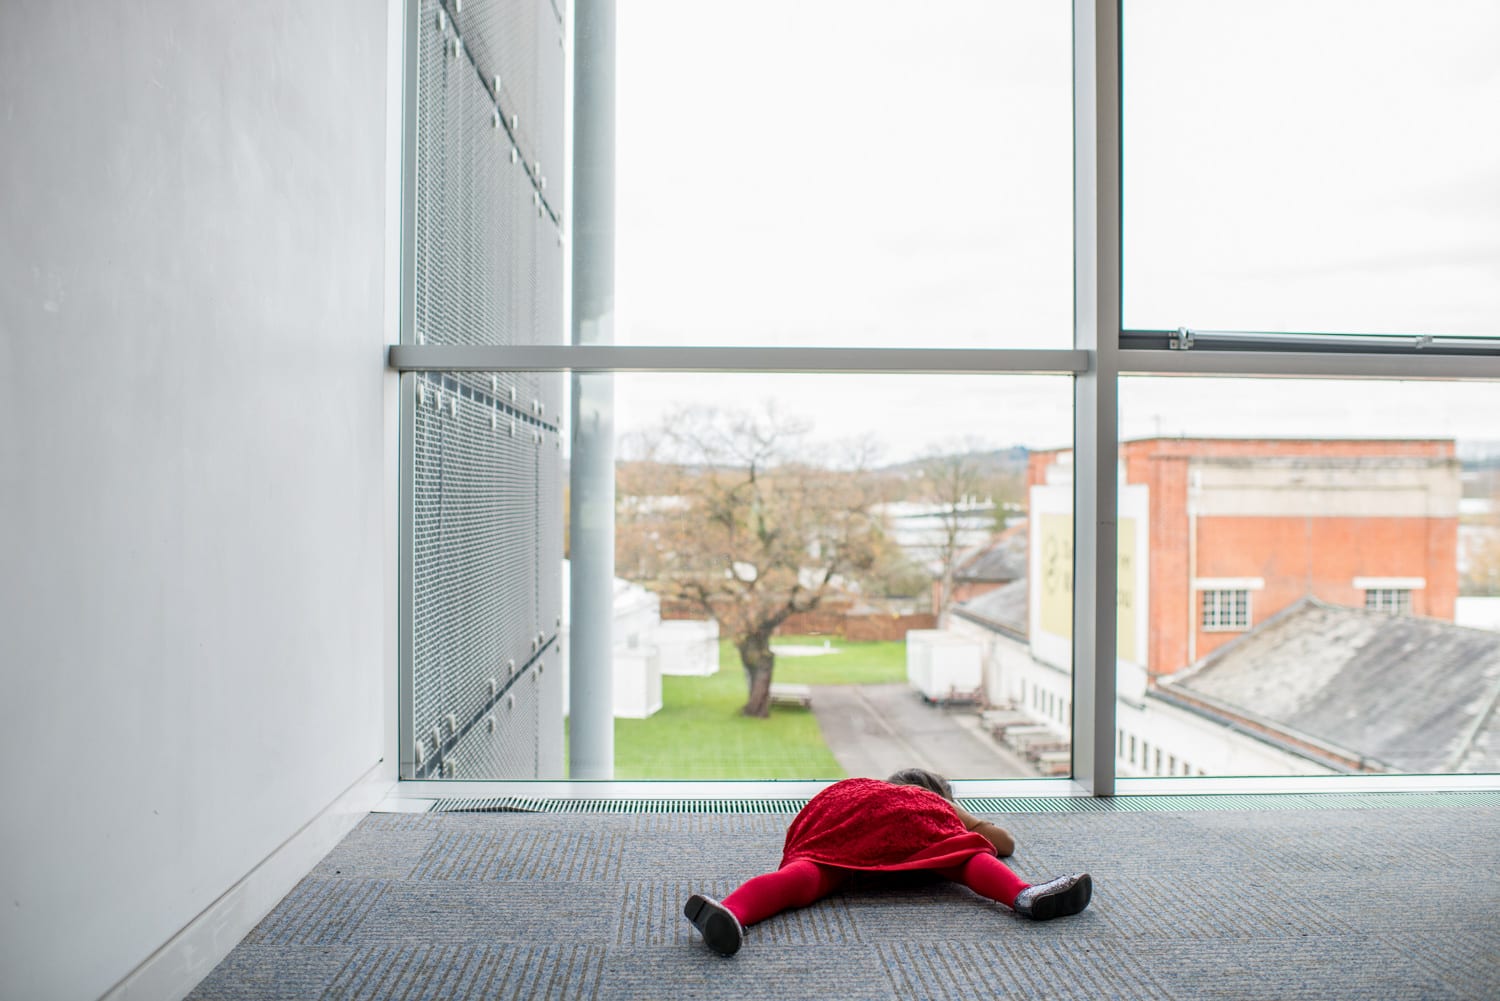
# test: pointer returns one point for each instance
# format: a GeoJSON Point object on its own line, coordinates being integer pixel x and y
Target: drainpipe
{"type": "Point", "coordinates": [591, 508]}
{"type": "Point", "coordinates": [1194, 485]}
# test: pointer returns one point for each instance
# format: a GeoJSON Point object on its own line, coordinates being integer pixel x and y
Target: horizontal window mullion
{"type": "Point", "coordinates": [1415, 345]}
{"type": "Point", "coordinates": [623, 358]}
{"type": "Point", "coordinates": [1327, 365]}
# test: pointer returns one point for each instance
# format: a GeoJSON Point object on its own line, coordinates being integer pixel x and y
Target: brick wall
{"type": "Point", "coordinates": [1295, 553]}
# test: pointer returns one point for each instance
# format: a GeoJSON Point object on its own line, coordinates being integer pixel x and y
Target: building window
{"type": "Point", "coordinates": [1226, 610]}
{"type": "Point", "coordinates": [1396, 600]}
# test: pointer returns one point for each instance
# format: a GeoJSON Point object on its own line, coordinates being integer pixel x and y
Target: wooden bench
{"type": "Point", "coordinates": [791, 695]}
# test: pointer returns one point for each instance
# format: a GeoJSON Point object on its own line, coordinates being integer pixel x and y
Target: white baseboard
{"type": "Point", "coordinates": [190, 955]}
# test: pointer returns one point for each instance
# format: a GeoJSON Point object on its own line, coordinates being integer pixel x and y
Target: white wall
{"type": "Point", "coordinates": [1014, 675]}
{"type": "Point", "coordinates": [193, 459]}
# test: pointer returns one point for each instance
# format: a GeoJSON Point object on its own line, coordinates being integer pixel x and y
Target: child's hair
{"type": "Point", "coordinates": [921, 777]}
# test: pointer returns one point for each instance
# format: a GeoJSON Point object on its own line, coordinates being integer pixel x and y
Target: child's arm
{"type": "Point", "coordinates": [1004, 844]}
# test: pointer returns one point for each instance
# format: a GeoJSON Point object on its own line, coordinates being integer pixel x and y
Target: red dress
{"type": "Point", "coordinates": [872, 825]}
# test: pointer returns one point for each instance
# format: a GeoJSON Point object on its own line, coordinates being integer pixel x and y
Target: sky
{"type": "Point", "coordinates": [879, 173]}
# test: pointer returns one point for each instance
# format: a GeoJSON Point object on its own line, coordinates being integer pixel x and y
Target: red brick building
{"type": "Point", "coordinates": [1240, 529]}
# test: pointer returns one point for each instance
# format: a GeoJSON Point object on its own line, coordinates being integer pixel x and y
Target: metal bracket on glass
{"type": "Point", "coordinates": [1181, 340]}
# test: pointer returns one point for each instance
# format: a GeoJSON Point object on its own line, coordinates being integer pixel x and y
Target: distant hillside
{"type": "Point", "coordinates": [997, 462]}
{"type": "Point", "coordinates": [1474, 455]}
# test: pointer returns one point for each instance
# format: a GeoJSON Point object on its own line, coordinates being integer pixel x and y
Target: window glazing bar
{"type": "Point", "coordinates": [629, 358]}
{"type": "Point", "coordinates": [1410, 345]}
{"type": "Point", "coordinates": [1310, 364]}
{"type": "Point", "coordinates": [591, 495]}
{"type": "Point", "coordinates": [407, 325]}
{"type": "Point", "coordinates": [1096, 329]}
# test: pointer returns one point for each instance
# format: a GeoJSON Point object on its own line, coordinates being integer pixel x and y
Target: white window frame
{"type": "Point", "coordinates": [1225, 610]}
{"type": "Point", "coordinates": [1392, 600]}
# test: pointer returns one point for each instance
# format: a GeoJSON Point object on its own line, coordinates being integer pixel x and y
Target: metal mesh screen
{"type": "Point", "coordinates": [484, 491]}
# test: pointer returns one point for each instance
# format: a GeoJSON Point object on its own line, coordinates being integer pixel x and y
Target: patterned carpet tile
{"type": "Point", "coordinates": [1463, 956]}
{"type": "Point", "coordinates": [320, 911]}
{"type": "Point", "coordinates": [1313, 968]}
{"type": "Point", "coordinates": [1065, 968]}
{"type": "Point", "coordinates": [495, 912]}
{"type": "Point", "coordinates": [372, 853]}
{"type": "Point", "coordinates": [279, 972]}
{"type": "Point", "coordinates": [699, 856]}
{"type": "Point", "coordinates": [1286, 904]}
{"type": "Point", "coordinates": [1341, 839]}
{"type": "Point", "coordinates": [402, 822]}
{"type": "Point", "coordinates": [715, 824]}
{"type": "Point", "coordinates": [825, 973]}
{"type": "Point", "coordinates": [489, 855]}
{"type": "Point", "coordinates": [435, 972]}
{"type": "Point", "coordinates": [651, 914]}
{"type": "Point", "coordinates": [1194, 904]}
{"type": "Point", "coordinates": [950, 913]}
{"type": "Point", "coordinates": [828, 922]}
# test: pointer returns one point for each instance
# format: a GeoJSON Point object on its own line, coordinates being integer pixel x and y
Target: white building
{"type": "Point", "coordinates": [645, 648]}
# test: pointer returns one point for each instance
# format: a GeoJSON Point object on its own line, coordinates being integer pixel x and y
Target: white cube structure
{"type": "Point", "coordinates": [637, 683]}
{"type": "Point", "coordinates": [688, 646]}
{"type": "Point", "coordinates": [943, 666]}
{"type": "Point", "coordinates": [635, 665]}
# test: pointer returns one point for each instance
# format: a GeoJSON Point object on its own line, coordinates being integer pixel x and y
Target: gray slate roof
{"type": "Point", "coordinates": [1003, 608]}
{"type": "Point", "coordinates": [998, 561]}
{"type": "Point", "coordinates": [1414, 694]}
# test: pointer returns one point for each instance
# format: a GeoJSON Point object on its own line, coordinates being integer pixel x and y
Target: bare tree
{"type": "Point", "coordinates": [956, 484]}
{"type": "Point", "coordinates": [726, 510]}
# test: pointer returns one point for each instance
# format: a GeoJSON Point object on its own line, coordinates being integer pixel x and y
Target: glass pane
{"type": "Point", "coordinates": [858, 545]}
{"type": "Point", "coordinates": [1313, 167]}
{"type": "Point", "coordinates": [1316, 578]}
{"type": "Point", "coordinates": [844, 174]}
{"type": "Point", "coordinates": [862, 542]}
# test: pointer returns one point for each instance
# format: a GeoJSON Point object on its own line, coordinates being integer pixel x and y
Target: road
{"type": "Point", "coordinates": [874, 730]}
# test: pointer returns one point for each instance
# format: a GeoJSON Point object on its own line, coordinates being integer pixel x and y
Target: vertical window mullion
{"type": "Point", "coordinates": [1096, 328]}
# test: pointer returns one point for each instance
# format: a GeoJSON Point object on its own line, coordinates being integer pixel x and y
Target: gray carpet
{"type": "Point", "coordinates": [1391, 902]}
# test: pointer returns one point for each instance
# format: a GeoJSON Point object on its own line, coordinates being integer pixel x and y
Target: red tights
{"type": "Point", "coordinates": [800, 883]}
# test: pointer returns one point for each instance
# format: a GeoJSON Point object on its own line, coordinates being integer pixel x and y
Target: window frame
{"type": "Point", "coordinates": [1236, 618]}
{"type": "Point", "coordinates": [1390, 600]}
{"type": "Point", "coordinates": [1102, 353]}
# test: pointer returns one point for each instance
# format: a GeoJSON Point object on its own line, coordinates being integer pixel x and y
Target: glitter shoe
{"type": "Point", "coordinates": [720, 928]}
{"type": "Point", "coordinates": [1056, 898]}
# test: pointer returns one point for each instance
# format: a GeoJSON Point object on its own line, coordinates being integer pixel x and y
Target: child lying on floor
{"type": "Point", "coordinates": [907, 822]}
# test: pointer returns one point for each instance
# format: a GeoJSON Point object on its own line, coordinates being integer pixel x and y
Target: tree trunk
{"type": "Point", "coordinates": [759, 661]}
{"type": "Point", "coordinates": [945, 596]}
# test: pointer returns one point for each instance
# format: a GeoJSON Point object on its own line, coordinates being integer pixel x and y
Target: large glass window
{"type": "Point", "coordinates": [844, 173]}
{"type": "Point", "coordinates": [1298, 516]}
{"type": "Point", "coordinates": [822, 576]}
{"type": "Point", "coordinates": [1293, 166]}
{"type": "Point", "coordinates": [858, 176]}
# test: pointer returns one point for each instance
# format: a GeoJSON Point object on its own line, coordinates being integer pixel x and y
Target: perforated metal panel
{"type": "Point", "coordinates": [483, 492]}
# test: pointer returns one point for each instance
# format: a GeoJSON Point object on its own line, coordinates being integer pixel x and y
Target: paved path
{"type": "Point", "coordinates": [874, 730]}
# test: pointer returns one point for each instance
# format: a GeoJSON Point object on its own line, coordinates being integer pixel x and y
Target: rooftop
{"type": "Point", "coordinates": [1402, 693]}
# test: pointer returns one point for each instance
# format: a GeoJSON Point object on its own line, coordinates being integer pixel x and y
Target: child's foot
{"type": "Point", "coordinates": [1056, 898]}
{"type": "Point", "coordinates": [720, 928]}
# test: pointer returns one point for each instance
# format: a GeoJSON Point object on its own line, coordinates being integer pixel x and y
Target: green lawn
{"type": "Point", "coordinates": [700, 734]}
{"type": "Point", "coordinates": [848, 664]}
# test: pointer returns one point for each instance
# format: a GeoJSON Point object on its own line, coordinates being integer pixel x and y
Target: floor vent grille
{"type": "Point", "coordinates": [995, 804]}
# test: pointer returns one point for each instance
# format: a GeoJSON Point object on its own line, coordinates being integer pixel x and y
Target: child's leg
{"type": "Point", "coordinates": [989, 877]}
{"type": "Point", "coordinates": [794, 885]}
